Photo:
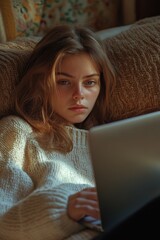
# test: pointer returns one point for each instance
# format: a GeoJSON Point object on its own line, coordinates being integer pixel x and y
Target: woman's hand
{"type": "Point", "coordinates": [83, 203]}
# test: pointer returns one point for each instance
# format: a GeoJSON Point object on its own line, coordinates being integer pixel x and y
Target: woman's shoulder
{"type": "Point", "coordinates": [15, 123]}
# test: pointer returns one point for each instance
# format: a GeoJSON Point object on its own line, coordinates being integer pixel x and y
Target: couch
{"type": "Point", "coordinates": [134, 51]}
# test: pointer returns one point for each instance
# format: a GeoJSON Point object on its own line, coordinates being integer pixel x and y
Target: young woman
{"type": "Point", "coordinates": [46, 178]}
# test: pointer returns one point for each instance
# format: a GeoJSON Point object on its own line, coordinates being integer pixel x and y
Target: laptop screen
{"type": "Point", "coordinates": [126, 163]}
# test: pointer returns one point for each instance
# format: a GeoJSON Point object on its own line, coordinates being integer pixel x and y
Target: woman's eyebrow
{"type": "Point", "coordinates": [87, 76]}
{"type": "Point", "coordinates": [65, 74]}
{"type": "Point", "coordinates": [92, 75]}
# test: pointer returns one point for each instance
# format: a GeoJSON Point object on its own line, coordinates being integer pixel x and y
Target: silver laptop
{"type": "Point", "coordinates": [126, 163]}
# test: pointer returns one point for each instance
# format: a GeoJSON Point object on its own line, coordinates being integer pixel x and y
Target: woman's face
{"type": "Point", "coordinates": [78, 86]}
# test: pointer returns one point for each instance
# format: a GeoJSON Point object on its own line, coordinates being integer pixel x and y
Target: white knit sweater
{"type": "Point", "coordinates": [35, 185]}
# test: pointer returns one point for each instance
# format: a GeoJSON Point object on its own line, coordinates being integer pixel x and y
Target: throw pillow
{"type": "Point", "coordinates": [135, 54]}
{"type": "Point", "coordinates": [13, 57]}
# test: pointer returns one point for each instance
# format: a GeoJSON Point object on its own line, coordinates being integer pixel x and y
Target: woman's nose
{"type": "Point", "coordinates": [78, 93]}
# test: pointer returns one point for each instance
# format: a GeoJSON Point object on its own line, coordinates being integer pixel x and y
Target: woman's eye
{"type": "Point", "coordinates": [63, 82]}
{"type": "Point", "coordinates": [90, 83]}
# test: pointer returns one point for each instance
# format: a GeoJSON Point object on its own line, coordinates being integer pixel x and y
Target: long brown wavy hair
{"type": "Point", "coordinates": [35, 91]}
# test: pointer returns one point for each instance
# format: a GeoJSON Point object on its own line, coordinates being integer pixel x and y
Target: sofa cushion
{"type": "Point", "coordinates": [13, 57]}
{"type": "Point", "coordinates": [135, 54]}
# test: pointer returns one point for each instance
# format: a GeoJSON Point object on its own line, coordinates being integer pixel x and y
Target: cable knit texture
{"type": "Point", "coordinates": [35, 184]}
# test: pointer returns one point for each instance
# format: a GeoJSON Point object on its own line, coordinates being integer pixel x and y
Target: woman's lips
{"type": "Point", "coordinates": [78, 108]}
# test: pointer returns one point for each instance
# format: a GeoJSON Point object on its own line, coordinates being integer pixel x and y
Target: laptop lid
{"type": "Point", "coordinates": [126, 163]}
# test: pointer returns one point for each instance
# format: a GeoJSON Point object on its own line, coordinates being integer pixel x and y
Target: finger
{"type": "Point", "coordinates": [84, 201]}
{"type": "Point", "coordinates": [79, 201]}
{"type": "Point", "coordinates": [88, 210]}
{"type": "Point", "coordinates": [80, 207]}
{"type": "Point", "coordinates": [78, 212]}
{"type": "Point", "coordinates": [86, 193]}
{"type": "Point", "coordinates": [90, 189]}
{"type": "Point", "coordinates": [81, 211]}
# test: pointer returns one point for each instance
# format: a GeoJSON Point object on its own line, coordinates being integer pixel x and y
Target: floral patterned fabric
{"type": "Point", "coordinates": [38, 16]}
{"type": "Point", "coordinates": [97, 14]}
{"type": "Point", "coordinates": [27, 16]}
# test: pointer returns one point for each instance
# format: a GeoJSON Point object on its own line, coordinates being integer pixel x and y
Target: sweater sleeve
{"type": "Point", "coordinates": [28, 210]}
